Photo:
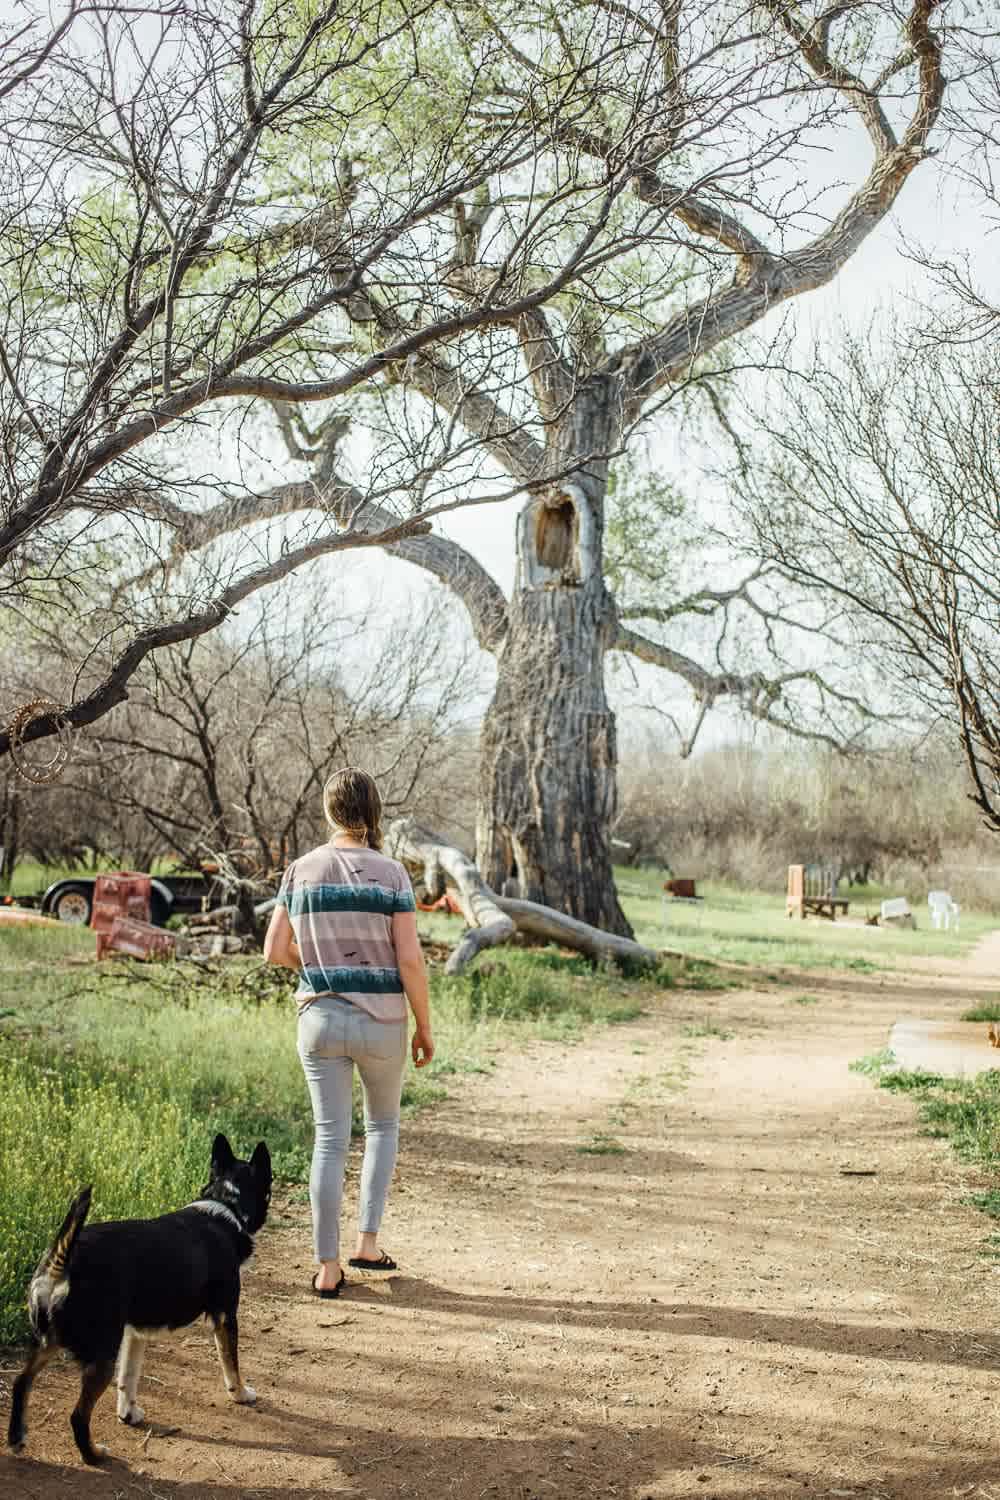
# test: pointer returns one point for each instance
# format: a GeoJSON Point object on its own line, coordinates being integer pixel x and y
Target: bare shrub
{"type": "Point", "coordinates": [225, 743]}
{"type": "Point", "coordinates": [743, 815]}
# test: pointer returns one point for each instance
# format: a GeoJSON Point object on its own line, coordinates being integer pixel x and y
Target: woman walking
{"type": "Point", "coordinates": [346, 920]}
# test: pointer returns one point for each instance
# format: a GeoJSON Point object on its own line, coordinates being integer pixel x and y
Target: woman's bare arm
{"type": "Point", "coordinates": [279, 941]}
{"type": "Point", "coordinates": [410, 962]}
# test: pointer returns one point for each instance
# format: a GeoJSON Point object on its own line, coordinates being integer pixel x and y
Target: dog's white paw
{"type": "Point", "coordinates": [245, 1397]}
{"type": "Point", "coordinates": [17, 1447]}
{"type": "Point", "coordinates": [132, 1415]}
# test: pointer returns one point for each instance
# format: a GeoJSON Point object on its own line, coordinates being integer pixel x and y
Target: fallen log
{"type": "Point", "coordinates": [488, 925]}
{"type": "Point", "coordinates": [556, 927]}
{"type": "Point", "coordinates": [211, 918]}
{"type": "Point", "coordinates": [223, 914]}
{"type": "Point", "coordinates": [495, 919]}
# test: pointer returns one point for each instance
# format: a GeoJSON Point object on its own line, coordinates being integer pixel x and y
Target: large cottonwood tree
{"type": "Point", "coordinates": [704, 131]}
{"type": "Point", "coordinates": [489, 245]}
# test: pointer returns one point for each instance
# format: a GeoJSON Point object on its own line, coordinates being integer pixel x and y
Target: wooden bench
{"type": "Point", "coordinates": [678, 892]}
{"type": "Point", "coordinates": [813, 888]}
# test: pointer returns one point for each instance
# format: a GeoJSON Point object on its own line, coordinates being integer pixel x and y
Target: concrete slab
{"type": "Point", "coordinates": [958, 1049]}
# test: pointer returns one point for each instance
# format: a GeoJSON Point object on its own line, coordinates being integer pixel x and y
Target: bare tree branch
{"type": "Point", "coordinates": [889, 501]}
{"type": "Point", "coordinates": [113, 690]}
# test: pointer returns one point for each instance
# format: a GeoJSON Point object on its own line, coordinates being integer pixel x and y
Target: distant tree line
{"type": "Point", "coordinates": [223, 748]}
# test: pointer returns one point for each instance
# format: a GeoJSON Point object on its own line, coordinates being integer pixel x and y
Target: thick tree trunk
{"type": "Point", "coordinates": [10, 831]}
{"type": "Point", "coordinates": [548, 753]}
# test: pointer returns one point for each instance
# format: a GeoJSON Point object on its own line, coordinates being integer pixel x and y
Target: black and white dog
{"type": "Point", "coordinates": [99, 1289]}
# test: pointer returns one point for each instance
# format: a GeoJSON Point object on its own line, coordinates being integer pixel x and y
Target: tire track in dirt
{"type": "Point", "coordinates": [713, 1310]}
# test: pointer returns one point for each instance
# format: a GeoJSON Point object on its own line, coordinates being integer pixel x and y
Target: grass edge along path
{"type": "Point", "coordinates": [965, 1112]}
{"type": "Point", "coordinates": [119, 1074]}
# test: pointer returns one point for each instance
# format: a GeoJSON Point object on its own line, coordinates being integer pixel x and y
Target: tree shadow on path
{"type": "Point", "coordinates": [965, 1348]}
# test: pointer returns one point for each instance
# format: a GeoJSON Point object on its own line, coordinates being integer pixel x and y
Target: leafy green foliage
{"type": "Point", "coordinates": [601, 1145]}
{"type": "Point", "coordinates": [986, 1010]}
{"type": "Point", "coordinates": [707, 1028]}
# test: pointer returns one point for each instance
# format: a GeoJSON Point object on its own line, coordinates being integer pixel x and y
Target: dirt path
{"type": "Point", "coordinates": [701, 1305]}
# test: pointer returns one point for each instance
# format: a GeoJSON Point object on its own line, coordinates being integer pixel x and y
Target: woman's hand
{"type": "Point", "coordinates": [422, 1047]}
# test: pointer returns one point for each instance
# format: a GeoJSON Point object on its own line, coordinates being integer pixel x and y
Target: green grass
{"type": "Point", "coordinates": [120, 1073]}
{"type": "Point", "coordinates": [22, 947]}
{"type": "Point", "coordinates": [61, 1129]}
{"type": "Point", "coordinates": [31, 878]}
{"type": "Point", "coordinates": [707, 1028]}
{"type": "Point", "coordinates": [987, 1203]}
{"type": "Point", "coordinates": [739, 926]}
{"type": "Point", "coordinates": [875, 1064]}
{"type": "Point", "coordinates": [558, 994]}
{"type": "Point", "coordinates": [962, 1111]}
{"type": "Point", "coordinates": [729, 925]}
{"type": "Point", "coordinates": [601, 1145]}
{"type": "Point", "coordinates": [987, 1010]}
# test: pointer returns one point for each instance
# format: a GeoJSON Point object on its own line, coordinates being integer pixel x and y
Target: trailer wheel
{"type": "Point", "coordinates": [159, 911]}
{"type": "Point", "coordinates": [73, 905]}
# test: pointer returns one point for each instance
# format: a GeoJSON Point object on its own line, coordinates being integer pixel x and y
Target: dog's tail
{"type": "Point", "coordinates": [62, 1246]}
{"type": "Point", "coordinates": [51, 1281]}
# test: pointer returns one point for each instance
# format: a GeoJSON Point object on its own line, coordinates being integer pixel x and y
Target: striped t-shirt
{"type": "Point", "coordinates": [341, 903]}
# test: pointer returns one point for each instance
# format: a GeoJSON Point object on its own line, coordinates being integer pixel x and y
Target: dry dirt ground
{"type": "Point", "coordinates": [715, 1310]}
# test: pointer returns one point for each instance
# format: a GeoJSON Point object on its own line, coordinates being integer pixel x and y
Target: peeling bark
{"type": "Point", "coordinates": [548, 756]}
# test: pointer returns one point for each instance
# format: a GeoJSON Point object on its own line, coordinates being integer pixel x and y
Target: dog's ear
{"type": "Point", "coordinates": [261, 1161]}
{"type": "Point", "coordinates": [223, 1159]}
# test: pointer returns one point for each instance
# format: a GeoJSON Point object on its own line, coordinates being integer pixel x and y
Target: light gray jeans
{"type": "Point", "coordinates": [334, 1035]}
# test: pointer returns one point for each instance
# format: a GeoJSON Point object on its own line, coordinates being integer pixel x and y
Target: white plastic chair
{"type": "Point", "coordinates": [944, 912]}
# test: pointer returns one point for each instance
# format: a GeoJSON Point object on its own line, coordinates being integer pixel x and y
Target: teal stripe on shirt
{"type": "Point", "coordinates": [354, 981]}
{"type": "Point", "coordinates": [307, 899]}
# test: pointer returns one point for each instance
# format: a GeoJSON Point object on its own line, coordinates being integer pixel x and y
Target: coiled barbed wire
{"type": "Point", "coordinates": [40, 774]}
